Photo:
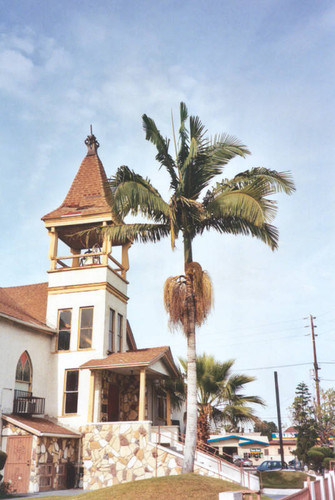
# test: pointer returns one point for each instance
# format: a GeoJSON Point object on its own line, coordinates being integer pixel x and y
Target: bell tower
{"type": "Point", "coordinates": [86, 272]}
{"type": "Point", "coordinates": [86, 208]}
{"type": "Point", "coordinates": [87, 289]}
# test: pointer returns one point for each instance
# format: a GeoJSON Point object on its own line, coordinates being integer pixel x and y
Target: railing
{"type": "Point", "coordinates": [207, 456]}
{"type": "Point", "coordinates": [323, 488]}
{"type": "Point", "coordinates": [92, 258]}
{"type": "Point", "coordinates": [27, 404]}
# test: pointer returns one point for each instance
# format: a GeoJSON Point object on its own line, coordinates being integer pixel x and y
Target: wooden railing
{"type": "Point", "coordinates": [90, 259]}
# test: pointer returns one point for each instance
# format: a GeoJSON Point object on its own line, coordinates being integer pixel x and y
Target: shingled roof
{"type": "Point", "coordinates": [26, 303]}
{"type": "Point", "coordinates": [133, 359]}
{"type": "Point", "coordinates": [40, 426]}
{"type": "Point", "coordinates": [89, 193]}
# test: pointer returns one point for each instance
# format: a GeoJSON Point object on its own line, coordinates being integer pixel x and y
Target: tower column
{"type": "Point", "coordinates": [125, 259]}
{"type": "Point", "coordinates": [106, 246]}
{"type": "Point", "coordinates": [168, 409]}
{"type": "Point", "coordinates": [141, 403]}
{"type": "Point", "coordinates": [90, 412]}
{"type": "Point", "coordinates": [53, 247]}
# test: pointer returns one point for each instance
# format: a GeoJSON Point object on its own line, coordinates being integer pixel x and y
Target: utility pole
{"type": "Point", "coordinates": [315, 363]}
{"type": "Point", "coordinates": [279, 420]}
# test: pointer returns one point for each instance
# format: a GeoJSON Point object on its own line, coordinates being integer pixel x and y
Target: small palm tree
{"type": "Point", "coordinates": [236, 206]}
{"type": "Point", "coordinates": [219, 395]}
{"type": "Point", "coordinates": [235, 406]}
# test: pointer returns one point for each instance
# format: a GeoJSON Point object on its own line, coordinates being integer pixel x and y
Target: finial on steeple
{"type": "Point", "coordinates": [91, 143]}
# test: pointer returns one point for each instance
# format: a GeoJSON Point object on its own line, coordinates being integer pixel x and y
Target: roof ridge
{"type": "Point", "coordinates": [22, 286]}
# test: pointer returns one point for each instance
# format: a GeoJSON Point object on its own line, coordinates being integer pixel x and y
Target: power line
{"type": "Point", "coordinates": [278, 366]}
{"type": "Point", "coordinates": [265, 325]}
{"type": "Point", "coordinates": [252, 335]}
{"type": "Point", "coordinates": [264, 341]}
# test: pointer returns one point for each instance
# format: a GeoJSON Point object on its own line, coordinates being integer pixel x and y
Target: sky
{"type": "Point", "coordinates": [262, 71]}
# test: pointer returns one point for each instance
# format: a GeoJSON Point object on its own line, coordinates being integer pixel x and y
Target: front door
{"type": "Point", "coordinates": [113, 403]}
{"type": "Point", "coordinates": [17, 468]}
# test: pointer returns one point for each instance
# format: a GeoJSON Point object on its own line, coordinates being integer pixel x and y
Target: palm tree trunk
{"type": "Point", "coordinates": [191, 408]}
{"type": "Point", "coordinates": [187, 249]}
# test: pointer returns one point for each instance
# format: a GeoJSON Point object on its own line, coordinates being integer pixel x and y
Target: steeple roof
{"type": "Point", "coordinates": [89, 193]}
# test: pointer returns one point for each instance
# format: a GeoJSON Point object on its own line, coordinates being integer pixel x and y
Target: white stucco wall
{"type": "Point", "coordinates": [14, 340]}
{"type": "Point", "coordinates": [75, 298]}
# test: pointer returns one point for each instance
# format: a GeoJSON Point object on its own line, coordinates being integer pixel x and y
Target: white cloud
{"type": "Point", "coordinates": [17, 71]}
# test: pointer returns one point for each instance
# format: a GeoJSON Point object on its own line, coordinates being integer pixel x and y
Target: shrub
{"type": "Point", "coordinates": [3, 457]}
{"type": "Point", "coordinates": [315, 457]}
{"type": "Point", "coordinates": [326, 452]}
{"type": "Point", "coordinates": [4, 490]}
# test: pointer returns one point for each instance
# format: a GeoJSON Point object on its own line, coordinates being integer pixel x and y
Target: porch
{"type": "Point", "coordinates": [130, 386]}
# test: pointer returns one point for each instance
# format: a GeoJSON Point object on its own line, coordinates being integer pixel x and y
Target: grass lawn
{"type": "Point", "coordinates": [282, 479]}
{"type": "Point", "coordinates": [183, 487]}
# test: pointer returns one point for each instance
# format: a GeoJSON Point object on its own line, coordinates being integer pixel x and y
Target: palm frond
{"type": "Point", "coordinates": [238, 226]}
{"type": "Point", "coordinates": [162, 145]}
{"type": "Point", "coordinates": [278, 181]}
{"type": "Point", "coordinates": [196, 287]}
{"type": "Point", "coordinates": [123, 233]}
{"type": "Point", "coordinates": [198, 131]}
{"type": "Point", "coordinates": [183, 135]}
{"type": "Point", "coordinates": [134, 198]}
{"type": "Point", "coordinates": [248, 202]}
{"type": "Point", "coordinates": [224, 147]}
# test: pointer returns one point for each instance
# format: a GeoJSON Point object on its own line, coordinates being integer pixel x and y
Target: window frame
{"type": "Point", "coordinates": [27, 361]}
{"type": "Point", "coordinates": [111, 331]}
{"type": "Point", "coordinates": [58, 319]}
{"type": "Point", "coordinates": [119, 333]}
{"type": "Point", "coordinates": [65, 391]}
{"type": "Point", "coordinates": [81, 309]}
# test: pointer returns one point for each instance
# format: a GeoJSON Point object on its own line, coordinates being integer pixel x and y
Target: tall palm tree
{"type": "Point", "coordinates": [219, 395]}
{"type": "Point", "coordinates": [236, 206]}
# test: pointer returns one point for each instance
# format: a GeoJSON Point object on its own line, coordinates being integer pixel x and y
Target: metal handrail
{"type": "Point", "coordinates": [206, 450]}
{"type": "Point", "coordinates": [27, 404]}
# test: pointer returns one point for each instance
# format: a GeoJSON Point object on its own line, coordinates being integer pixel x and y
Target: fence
{"type": "Point", "coordinates": [322, 488]}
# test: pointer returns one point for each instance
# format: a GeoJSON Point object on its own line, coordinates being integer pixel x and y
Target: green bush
{"type": "Point", "coordinates": [4, 490]}
{"type": "Point", "coordinates": [315, 457]}
{"type": "Point", "coordinates": [325, 462]}
{"type": "Point", "coordinates": [326, 452]}
{"type": "Point", "coordinates": [3, 457]}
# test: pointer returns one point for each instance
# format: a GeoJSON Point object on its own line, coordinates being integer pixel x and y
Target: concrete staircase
{"type": "Point", "coordinates": [206, 462]}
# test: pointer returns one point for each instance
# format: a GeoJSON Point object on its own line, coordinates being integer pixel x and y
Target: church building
{"type": "Point", "coordinates": [79, 401]}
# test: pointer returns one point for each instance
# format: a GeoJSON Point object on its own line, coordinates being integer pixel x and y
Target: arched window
{"type": "Point", "coordinates": [23, 374]}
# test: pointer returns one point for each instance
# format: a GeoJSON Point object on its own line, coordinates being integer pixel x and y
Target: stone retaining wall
{"type": "Point", "coordinates": [115, 453]}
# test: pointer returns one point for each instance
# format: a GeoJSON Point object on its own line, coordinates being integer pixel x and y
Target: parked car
{"type": "Point", "coordinates": [272, 465]}
{"type": "Point", "coordinates": [244, 462]}
{"type": "Point", "coordinates": [295, 464]}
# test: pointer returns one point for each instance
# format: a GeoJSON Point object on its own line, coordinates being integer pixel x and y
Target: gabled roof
{"type": "Point", "coordinates": [26, 303]}
{"type": "Point", "coordinates": [141, 358]}
{"type": "Point", "coordinates": [253, 441]}
{"type": "Point", "coordinates": [40, 426]}
{"type": "Point", "coordinates": [89, 193]}
{"type": "Point", "coordinates": [245, 441]}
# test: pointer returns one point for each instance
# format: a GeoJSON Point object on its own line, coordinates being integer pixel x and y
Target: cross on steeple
{"type": "Point", "coordinates": [91, 143]}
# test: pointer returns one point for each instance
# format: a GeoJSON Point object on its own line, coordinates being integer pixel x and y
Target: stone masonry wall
{"type": "Point", "coordinates": [46, 450]}
{"type": "Point", "coordinates": [129, 391]}
{"type": "Point", "coordinates": [122, 452]}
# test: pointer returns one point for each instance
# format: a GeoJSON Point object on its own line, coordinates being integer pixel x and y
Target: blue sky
{"type": "Point", "coordinates": [262, 71]}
